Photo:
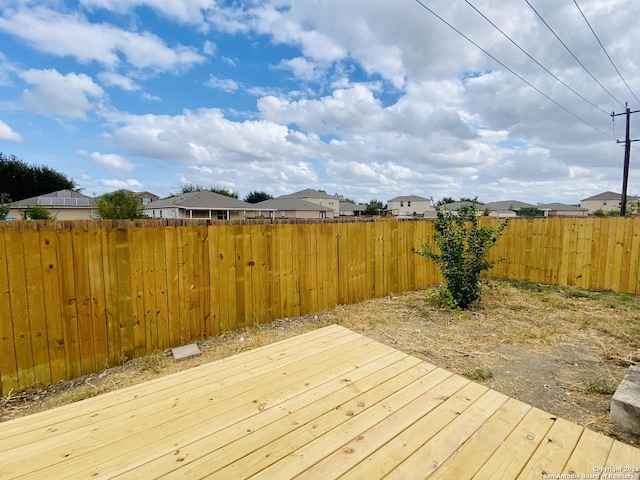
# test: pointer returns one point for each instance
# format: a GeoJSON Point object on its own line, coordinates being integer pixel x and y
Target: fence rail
{"type": "Point", "coordinates": [78, 296]}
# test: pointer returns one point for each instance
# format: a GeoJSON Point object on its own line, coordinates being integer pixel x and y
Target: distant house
{"type": "Point", "coordinates": [293, 208]}
{"type": "Point", "coordinates": [606, 201]}
{"type": "Point", "coordinates": [62, 205]}
{"type": "Point", "coordinates": [563, 210]}
{"type": "Point", "coordinates": [455, 206]}
{"type": "Point", "coordinates": [505, 208]}
{"type": "Point", "coordinates": [201, 205]}
{"type": "Point", "coordinates": [348, 209]}
{"type": "Point", "coordinates": [319, 198]}
{"type": "Point", "coordinates": [145, 198]}
{"type": "Point", "coordinates": [409, 206]}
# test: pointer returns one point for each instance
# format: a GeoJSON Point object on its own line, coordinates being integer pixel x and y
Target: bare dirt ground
{"type": "Point", "coordinates": [560, 349]}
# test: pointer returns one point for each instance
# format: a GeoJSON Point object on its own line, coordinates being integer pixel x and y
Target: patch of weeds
{"type": "Point", "coordinates": [151, 363]}
{"type": "Point", "coordinates": [81, 393]}
{"type": "Point", "coordinates": [578, 293]}
{"type": "Point", "coordinates": [442, 298]}
{"type": "Point", "coordinates": [598, 387]}
{"type": "Point", "coordinates": [531, 286]}
{"type": "Point", "coordinates": [478, 374]}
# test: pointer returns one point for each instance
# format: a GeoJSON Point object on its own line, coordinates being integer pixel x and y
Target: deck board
{"type": "Point", "coordinates": [326, 404]}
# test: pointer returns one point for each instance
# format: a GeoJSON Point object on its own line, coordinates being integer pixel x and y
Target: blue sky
{"type": "Point", "coordinates": [368, 99]}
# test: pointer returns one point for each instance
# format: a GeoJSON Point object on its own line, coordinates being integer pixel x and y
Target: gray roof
{"type": "Point", "coordinates": [514, 205]}
{"type": "Point", "coordinates": [348, 206]}
{"type": "Point", "coordinates": [284, 204]}
{"type": "Point", "coordinates": [604, 196]}
{"type": "Point", "coordinates": [203, 200]}
{"type": "Point", "coordinates": [59, 199]}
{"type": "Point", "coordinates": [308, 193]}
{"type": "Point", "coordinates": [409, 198]}
{"type": "Point", "coordinates": [454, 206]}
{"type": "Point", "coordinates": [561, 206]}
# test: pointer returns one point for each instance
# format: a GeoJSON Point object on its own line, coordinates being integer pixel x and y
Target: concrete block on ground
{"type": "Point", "coordinates": [625, 404]}
{"type": "Point", "coordinates": [186, 352]}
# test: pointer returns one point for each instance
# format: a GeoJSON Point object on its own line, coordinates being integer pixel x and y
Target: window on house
{"type": "Point", "coordinates": [331, 203]}
{"type": "Point", "coordinates": [95, 215]}
{"type": "Point", "coordinates": [401, 203]}
{"type": "Point", "coordinates": [283, 213]}
{"type": "Point", "coordinates": [409, 203]}
{"type": "Point", "coordinates": [145, 200]}
{"type": "Point", "coordinates": [604, 203]}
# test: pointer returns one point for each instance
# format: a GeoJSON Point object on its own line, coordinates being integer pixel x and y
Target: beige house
{"type": "Point", "coordinates": [348, 209]}
{"type": "Point", "coordinates": [562, 210]}
{"type": "Point", "coordinates": [293, 208]}
{"type": "Point", "coordinates": [319, 198]}
{"type": "Point", "coordinates": [202, 206]}
{"type": "Point", "coordinates": [505, 208]}
{"type": "Point", "coordinates": [410, 206]}
{"type": "Point", "coordinates": [606, 201]}
{"type": "Point", "coordinates": [62, 205]}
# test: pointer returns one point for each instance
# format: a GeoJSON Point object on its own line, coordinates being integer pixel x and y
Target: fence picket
{"type": "Point", "coordinates": [75, 296]}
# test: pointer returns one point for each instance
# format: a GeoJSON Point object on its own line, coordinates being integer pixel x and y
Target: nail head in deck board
{"type": "Point", "coordinates": [185, 352]}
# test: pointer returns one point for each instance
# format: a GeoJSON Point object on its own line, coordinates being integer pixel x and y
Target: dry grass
{"type": "Point", "coordinates": [560, 349]}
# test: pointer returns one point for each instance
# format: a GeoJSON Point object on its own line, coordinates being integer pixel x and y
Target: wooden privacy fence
{"type": "Point", "coordinates": [78, 296]}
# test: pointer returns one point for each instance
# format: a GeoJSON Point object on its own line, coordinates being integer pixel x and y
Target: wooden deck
{"type": "Point", "coordinates": [326, 404]}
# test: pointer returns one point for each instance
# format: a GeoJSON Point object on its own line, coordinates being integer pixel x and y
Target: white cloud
{"type": "Point", "coordinates": [129, 184]}
{"type": "Point", "coordinates": [112, 79]}
{"type": "Point", "coordinates": [52, 93]}
{"type": "Point", "coordinates": [73, 35]}
{"type": "Point", "coordinates": [113, 162]}
{"type": "Point", "coordinates": [209, 48]}
{"type": "Point", "coordinates": [302, 68]}
{"type": "Point", "coordinates": [354, 109]}
{"type": "Point", "coordinates": [151, 98]}
{"type": "Point", "coordinates": [7, 133]}
{"type": "Point", "coordinates": [184, 11]}
{"type": "Point", "coordinates": [225, 84]}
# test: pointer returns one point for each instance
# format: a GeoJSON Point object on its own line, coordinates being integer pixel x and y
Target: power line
{"type": "Point", "coordinates": [572, 54]}
{"type": "Point", "coordinates": [605, 51]}
{"type": "Point", "coordinates": [536, 61]}
{"type": "Point", "coordinates": [510, 70]}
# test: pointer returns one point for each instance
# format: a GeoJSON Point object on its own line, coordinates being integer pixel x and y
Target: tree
{"type": "Point", "coordinates": [4, 205]}
{"type": "Point", "coordinates": [373, 207]}
{"type": "Point", "coordinates": [190, 187]}
{"type": "Point", "coordinates": [257, 197]}
{"type": "Point", "coordinates": [20, 180]}
{"type": "Point", "coordinates": [342, 198]}
{"type": "Point", "coordinates": [36, 212]}
{"type": "Point", "coordinates": [445, 200]}
{"type": "Point", "coordinates": [120, 204]}
{"type": "Point", "coordinates": [462, 249]}
{"type": "Point", "coordinates": [225, 191]}
{"type": "Point", "coordinates": [530, 212]}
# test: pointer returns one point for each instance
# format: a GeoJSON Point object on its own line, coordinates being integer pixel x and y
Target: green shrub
{"type": "Point", "coordinates": [36, 212]}
{"type": "Point", "coordinates": [462, 249]}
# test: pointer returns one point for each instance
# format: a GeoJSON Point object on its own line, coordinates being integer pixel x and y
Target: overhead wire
{"type": "Point", "coordinates": [605, 51]}
{"type": "Point", "coordinates": [511, 70]}
{"type": "Point", "coordinates": [536, 61]}
{"type": "Point", "coordinates": [572, 54]}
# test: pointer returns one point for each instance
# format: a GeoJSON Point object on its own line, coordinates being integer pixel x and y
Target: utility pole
{"type": "Point", "coordinates": [627, 156]}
